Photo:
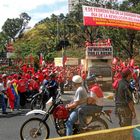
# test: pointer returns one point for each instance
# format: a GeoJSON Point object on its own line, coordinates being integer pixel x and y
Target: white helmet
{"type": "Point", "coordinates": [77, 79]}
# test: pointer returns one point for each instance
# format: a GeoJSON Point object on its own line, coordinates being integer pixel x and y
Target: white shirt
{"type": "Point", "coordinates": [81, 95]}
{"type": "Point", "coordinates": [1, 87]}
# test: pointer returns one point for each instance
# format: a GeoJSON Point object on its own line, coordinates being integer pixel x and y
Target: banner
{"type": "Point", "coordinates": [95, 16]}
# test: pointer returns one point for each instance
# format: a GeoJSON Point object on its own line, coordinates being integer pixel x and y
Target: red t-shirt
{"type": "Point", "coordinates": [33, 85]}
{"type": "Point", "coordinates": [22, 85]}
{"type": "Point", "coordinates": [97, 90]}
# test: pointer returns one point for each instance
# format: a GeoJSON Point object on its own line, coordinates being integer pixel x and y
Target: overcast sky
{"type": "Point", "coordinates": [37, 9]}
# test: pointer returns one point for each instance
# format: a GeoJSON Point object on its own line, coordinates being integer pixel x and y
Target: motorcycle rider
{"type": "Point", "coordinates": [94, 101]}
{"type": "Point", "coordinates": [80, 98]}
{"type": "Point", "coordinates": [52, 85]}
{"type": "Point", "coordinates": [124, 101]}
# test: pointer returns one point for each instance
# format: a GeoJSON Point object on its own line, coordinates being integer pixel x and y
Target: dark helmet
{"type": "Point", "coordinates": [91, 78]}
{"type": "Point", "coordinates": [52, 75]}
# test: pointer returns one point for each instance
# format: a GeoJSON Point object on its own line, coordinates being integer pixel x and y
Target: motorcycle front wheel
{"type": "Point", "coordinates": [97, 124]}
{"type": "Point", "coordinates": [34, 129]}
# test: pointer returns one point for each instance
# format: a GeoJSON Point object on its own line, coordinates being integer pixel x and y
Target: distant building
{"type": "Point", "coordinates": [72, 3]}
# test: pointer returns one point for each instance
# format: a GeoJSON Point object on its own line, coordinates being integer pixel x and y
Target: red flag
{"type": "Point", "coordinates": [114, 62]}
{"type": "Point", "coordinates": [64, 60]}
{"type": "Point", "coordinates": [132, 62]}
{"type": "Point", "coordinates": [24, 68]}
{"type": "Point", "coordinates": [41, 59]}
{"type": "Point", "coordinates": [64, 57]}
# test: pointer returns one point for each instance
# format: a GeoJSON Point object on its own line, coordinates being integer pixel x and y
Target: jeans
{"type": "Point", "coordinates": [17, 101]}
{"type": "Point", "coordinates": [86, 111]}
{"type": "Point", "coordinates": [3, 103]}
{"type": "Point", "coordinates": [71, 120]}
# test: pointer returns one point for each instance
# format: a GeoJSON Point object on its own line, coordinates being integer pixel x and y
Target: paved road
{"type": "Point", "coordinates": [10, 124]}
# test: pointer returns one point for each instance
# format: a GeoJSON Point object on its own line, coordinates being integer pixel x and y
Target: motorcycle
{"type": "Point", "coordinates": [39, 100]}
{"type": "Point", "coordinates": [37, 128]}
{"type": "Point", "coordinates": [134, 91]}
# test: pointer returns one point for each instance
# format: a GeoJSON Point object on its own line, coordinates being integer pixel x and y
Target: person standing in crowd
{"type": "Point", "coordinates": [52, 85]}
{"type": "Point", "coordinates": [84, 75]}
{"type": "Point", "coordinates": [61, 82]}
{"type": "Point", "coordinates": [4, 79]}
{"type": "Point", "coordinates": [14, 83]}
{"type": "Point", "coordinates": [123, 98]}
{"type": "Point", "coordinates": [94, 101]}
{"type": "Point", "coordinates": [2, 96]}
{"type": "Point", "coordinates": [80, 98]}
{"type": "Point", "coordinates": [10, 93]}
{"type": "Point", "coordinates": [22, 89]}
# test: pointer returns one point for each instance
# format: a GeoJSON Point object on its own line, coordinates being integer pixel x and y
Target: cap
{"type": "Point", "coordinates": [77, 79]}
{"type": "Point", "coordinates": [4, 75]}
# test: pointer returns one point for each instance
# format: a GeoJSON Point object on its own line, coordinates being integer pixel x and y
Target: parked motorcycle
{"type": "Point", "coordinates": [37, 128]}
{"type": "Point", "coordinates": [135, 92]}
{"type": "Point", "coordinates": [39, 100]}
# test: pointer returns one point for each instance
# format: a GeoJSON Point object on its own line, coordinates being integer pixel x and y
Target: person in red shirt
{"type": "Point", "coordinates": [94, 101]}
{"type": "Point", "coordinates": [33, 85]}
{"type": "Point", "coordinates": [22, 90]}
{"type": "Point", "coordinates": [10, 94]}
{"type": "Point", "coordinates": [61, 82]}
{"type": "Point", "coordinates": [84, 75]}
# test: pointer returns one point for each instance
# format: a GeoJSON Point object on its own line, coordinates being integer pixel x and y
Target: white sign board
{"type": "Point", "coordinates": [58, 61]}
{"type": "Point", "coordinates": [72, 61]}
{"type": "Point", "coordinates": [102, 52]}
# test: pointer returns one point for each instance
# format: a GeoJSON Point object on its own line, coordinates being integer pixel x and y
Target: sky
{"type": "Point", "coordinates": [36, 9]}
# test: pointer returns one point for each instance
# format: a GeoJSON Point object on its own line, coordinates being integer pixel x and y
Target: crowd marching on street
{"type": "Point", "coordinates": [15, 88]}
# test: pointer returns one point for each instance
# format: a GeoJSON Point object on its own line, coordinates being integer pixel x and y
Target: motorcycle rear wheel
{"type": "Point", "coordinates": [34, 129]}
{"type": "Point", "coordinates": [97, 124]}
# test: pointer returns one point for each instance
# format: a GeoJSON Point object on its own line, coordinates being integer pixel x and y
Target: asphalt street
{"type": "Point", "coordinates": [10, 124]}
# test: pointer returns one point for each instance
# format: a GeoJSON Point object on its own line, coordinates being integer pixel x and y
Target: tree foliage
{"type": "Point", "coordinates": [51, 33]}
{"type": "Point", "coordinates": [15, 27]}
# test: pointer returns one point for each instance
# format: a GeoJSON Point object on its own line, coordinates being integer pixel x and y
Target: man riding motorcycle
{"type": "Point", "coordinates": [80, 98]}
{"type": "Point", "coordinates": [94, 101]}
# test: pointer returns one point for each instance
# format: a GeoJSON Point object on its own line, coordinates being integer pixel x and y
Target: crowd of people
{"type": "Point", "coordinates": [88, 97]}
{"type": "Point", "coordinates": [15, 88]}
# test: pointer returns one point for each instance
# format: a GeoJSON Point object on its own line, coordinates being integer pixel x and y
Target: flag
{"type": "Point", "coordinates": [41, 59]}
{"type": "Point", "coordinates": [131, 63]}
{"type": "Point", "coordinates": [64, 57]}
{"type": "Point", "coordinates": [114, 61]}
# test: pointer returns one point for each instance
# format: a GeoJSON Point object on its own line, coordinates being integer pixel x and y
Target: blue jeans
{"type": "Point", "coordinates": [17, 101]}
{"type": "Point", "coordinates": [3, 103]}
{"type": "Point", "coordinates": [71, 120]}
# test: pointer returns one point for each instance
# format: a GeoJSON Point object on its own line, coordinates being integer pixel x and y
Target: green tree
{"type": "Point", "coordinates": [15, 27]}
{"type": "Point", "coordinates": [3, 41]}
